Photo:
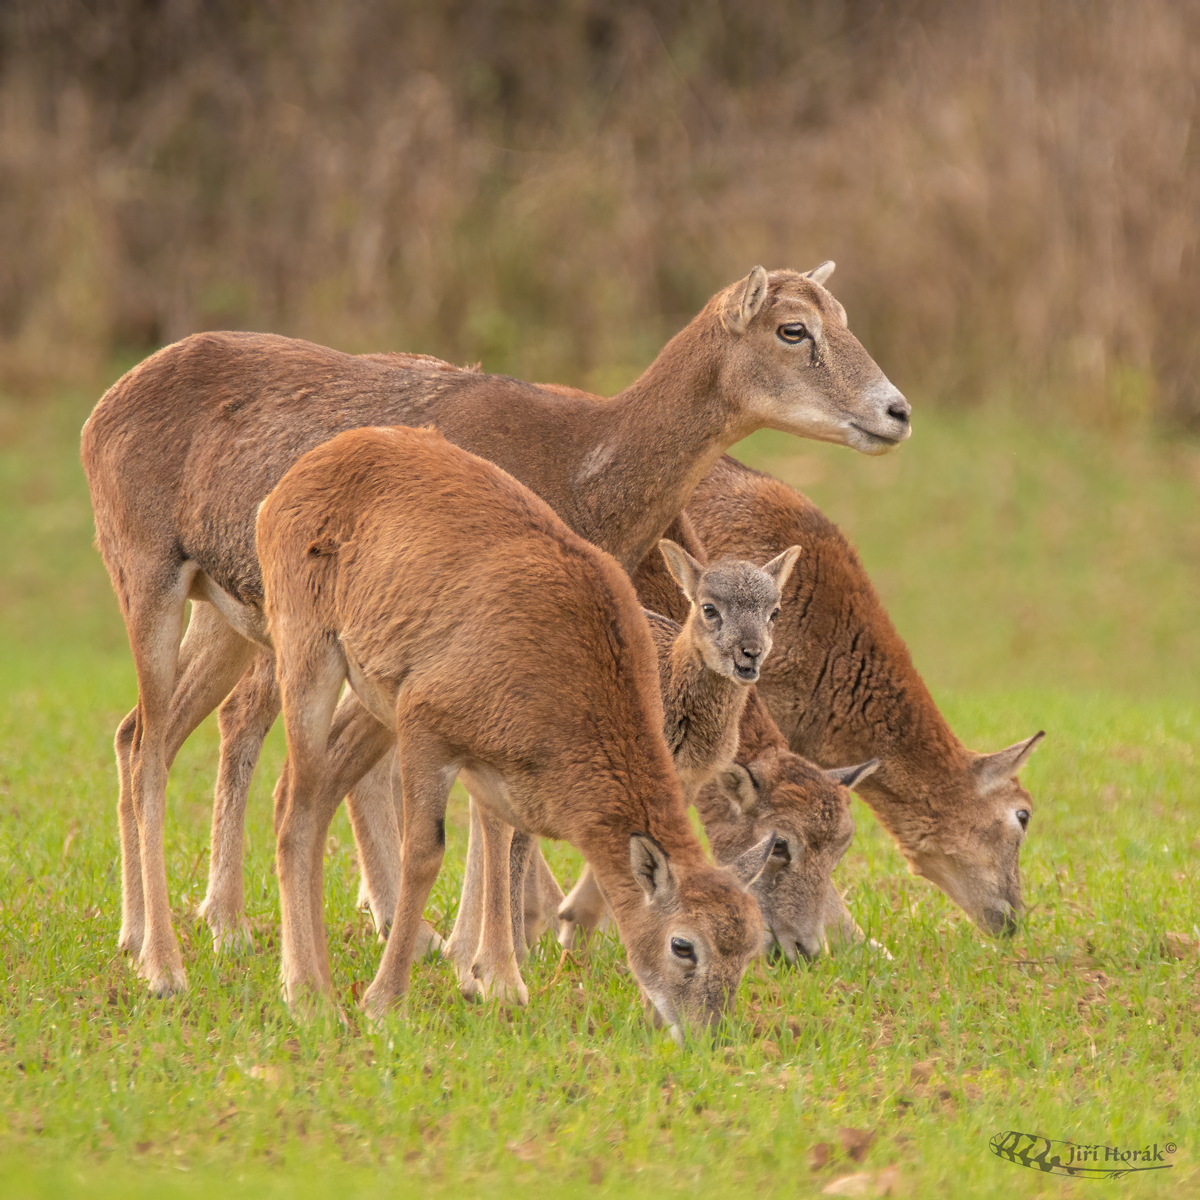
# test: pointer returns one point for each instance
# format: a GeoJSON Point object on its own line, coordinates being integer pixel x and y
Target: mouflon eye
{"type": "Point", "coordinates": [710, 611]}
{"type": "Point", "coordinates": [774, 614]}
{"type": "Point", "coordinates": [793, 333]}
{"type": "Point", "coordinates": [1023, 817]}
{"type": "Point", "coordinates": [682, 948]}
{"type": "Point", "coordinates": [780, 851]}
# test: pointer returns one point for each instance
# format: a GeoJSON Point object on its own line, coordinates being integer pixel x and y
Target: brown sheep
{"type": "Point", "coordinates": [486, 638]}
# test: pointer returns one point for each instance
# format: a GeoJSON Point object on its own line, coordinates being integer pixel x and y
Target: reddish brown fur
{"type": "Point", "coordinates": [493, 640]}
{"type": "Point", "coordinates": [259, 400]}
{"type": "Point", "coordinates": [842, 686]}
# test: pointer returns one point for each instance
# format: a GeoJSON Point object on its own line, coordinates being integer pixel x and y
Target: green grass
{"type": "Point", "coordinates": [1044, 578]}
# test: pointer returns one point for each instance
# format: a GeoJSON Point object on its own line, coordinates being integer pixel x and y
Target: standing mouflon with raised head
{"type": "Point", "coordinates": [181, 451]}
{"type": "Point", "coordinates": [448, 596]}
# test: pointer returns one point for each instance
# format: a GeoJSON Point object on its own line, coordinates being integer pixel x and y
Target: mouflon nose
{"type": "Point", "coordinates": [1002, 922]}
{"type": "Point", "coordinates": [899, 409]}
{"type": "Point", "coordinates": [807, 953]}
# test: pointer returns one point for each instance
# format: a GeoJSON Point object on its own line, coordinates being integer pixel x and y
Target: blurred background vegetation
{"type": "Point", "coordinates": [1012, 194]}
{"type": "Point", "coordinates": [1011, 191]}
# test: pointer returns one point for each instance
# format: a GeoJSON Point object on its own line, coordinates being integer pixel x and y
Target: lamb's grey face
{"type": "Point", "coordinates": [809, 811]}
{"type": "Point", "coordinates": [810, 814]}
{"type": "Point", "coordinates": [736, 604]}
{"type": "Point", "coordinates": [793, 892]}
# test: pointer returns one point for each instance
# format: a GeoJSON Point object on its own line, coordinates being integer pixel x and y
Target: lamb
{"type": "Point", "coordinates": [453, 601]}
{"type": "Point", "coordinates": [706, 664]}
{"type": "Point", "coordinates": [705, 667]}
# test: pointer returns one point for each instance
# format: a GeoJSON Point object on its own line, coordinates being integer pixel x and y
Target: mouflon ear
{"type": "Point", "coordinates": [648, 861]}
{"type": "Point", "coordinates": [780, 567]}
{"type": "Point", "coordinates": [748, 865]}
{"type": "Point", "coordinates": [736, 784]}
{"type": "Point", "coordinates": [745, 303]}
{"type": "Point", "coordinates": [994, 769]}
{"type": "Point", "coordinates": [849, 777]}
{"type": "Point", "coordinates": [685, 570]}
{"type": "Point", "coordinates": [821, 273]}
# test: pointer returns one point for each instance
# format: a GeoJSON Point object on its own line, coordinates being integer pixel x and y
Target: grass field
{"type": "Point", "coordinates": [1045, 578]}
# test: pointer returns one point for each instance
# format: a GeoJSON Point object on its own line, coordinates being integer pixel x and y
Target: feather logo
{"type": "Point", "coordinates": [1092, 1160]}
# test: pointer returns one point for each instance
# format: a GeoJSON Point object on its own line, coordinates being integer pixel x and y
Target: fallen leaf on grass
{"type": "Point", "coordinates": [818, 1156]}
{"type": "Point", "coordinates": [922, 1072]}
{"type": "Point", "coordinates": [596, 1172]}
{"type": "Point", "coordinates": [848, 1185]}
{"type": "Point", "coordinates": [887, 1179]}
{"type": "Point", "coordinates": [1179, 945]}
{"type": "Point", "coordinates": [856, 1142]}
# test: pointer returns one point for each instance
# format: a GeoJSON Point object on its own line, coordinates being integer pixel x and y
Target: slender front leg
{"type": "Point", "coordinates": [463, 942]}
{"type": "Point", "coordinates": [376, 809]}
{"type": "Point", "coordinates": [309, 691]}
{"type": "Point", "coordinates": [494, 973]}
{"type": "Point", "coordinates": [520, 857]}
{"type": "Point", "coordinates": [133, 903]}
{"type": "Point", "coordinates": [244, 719]}
{"type": "Point", "coordinates": [426, 773]}
{"type": "Point", "coordinates": [534, 896]}
{"type": "Point", "coordinates": [543, 897]}
{"type": "Point", "coordinates": [375, 817]}
{"type": "Point", "coordinates": [208, 661]}
{"type": "Point", "coordinates": [583, 910]}
{"type": "Point", "coordinates": [154, 638]}
{"type": "Point", "coordinates": [357, 743]}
